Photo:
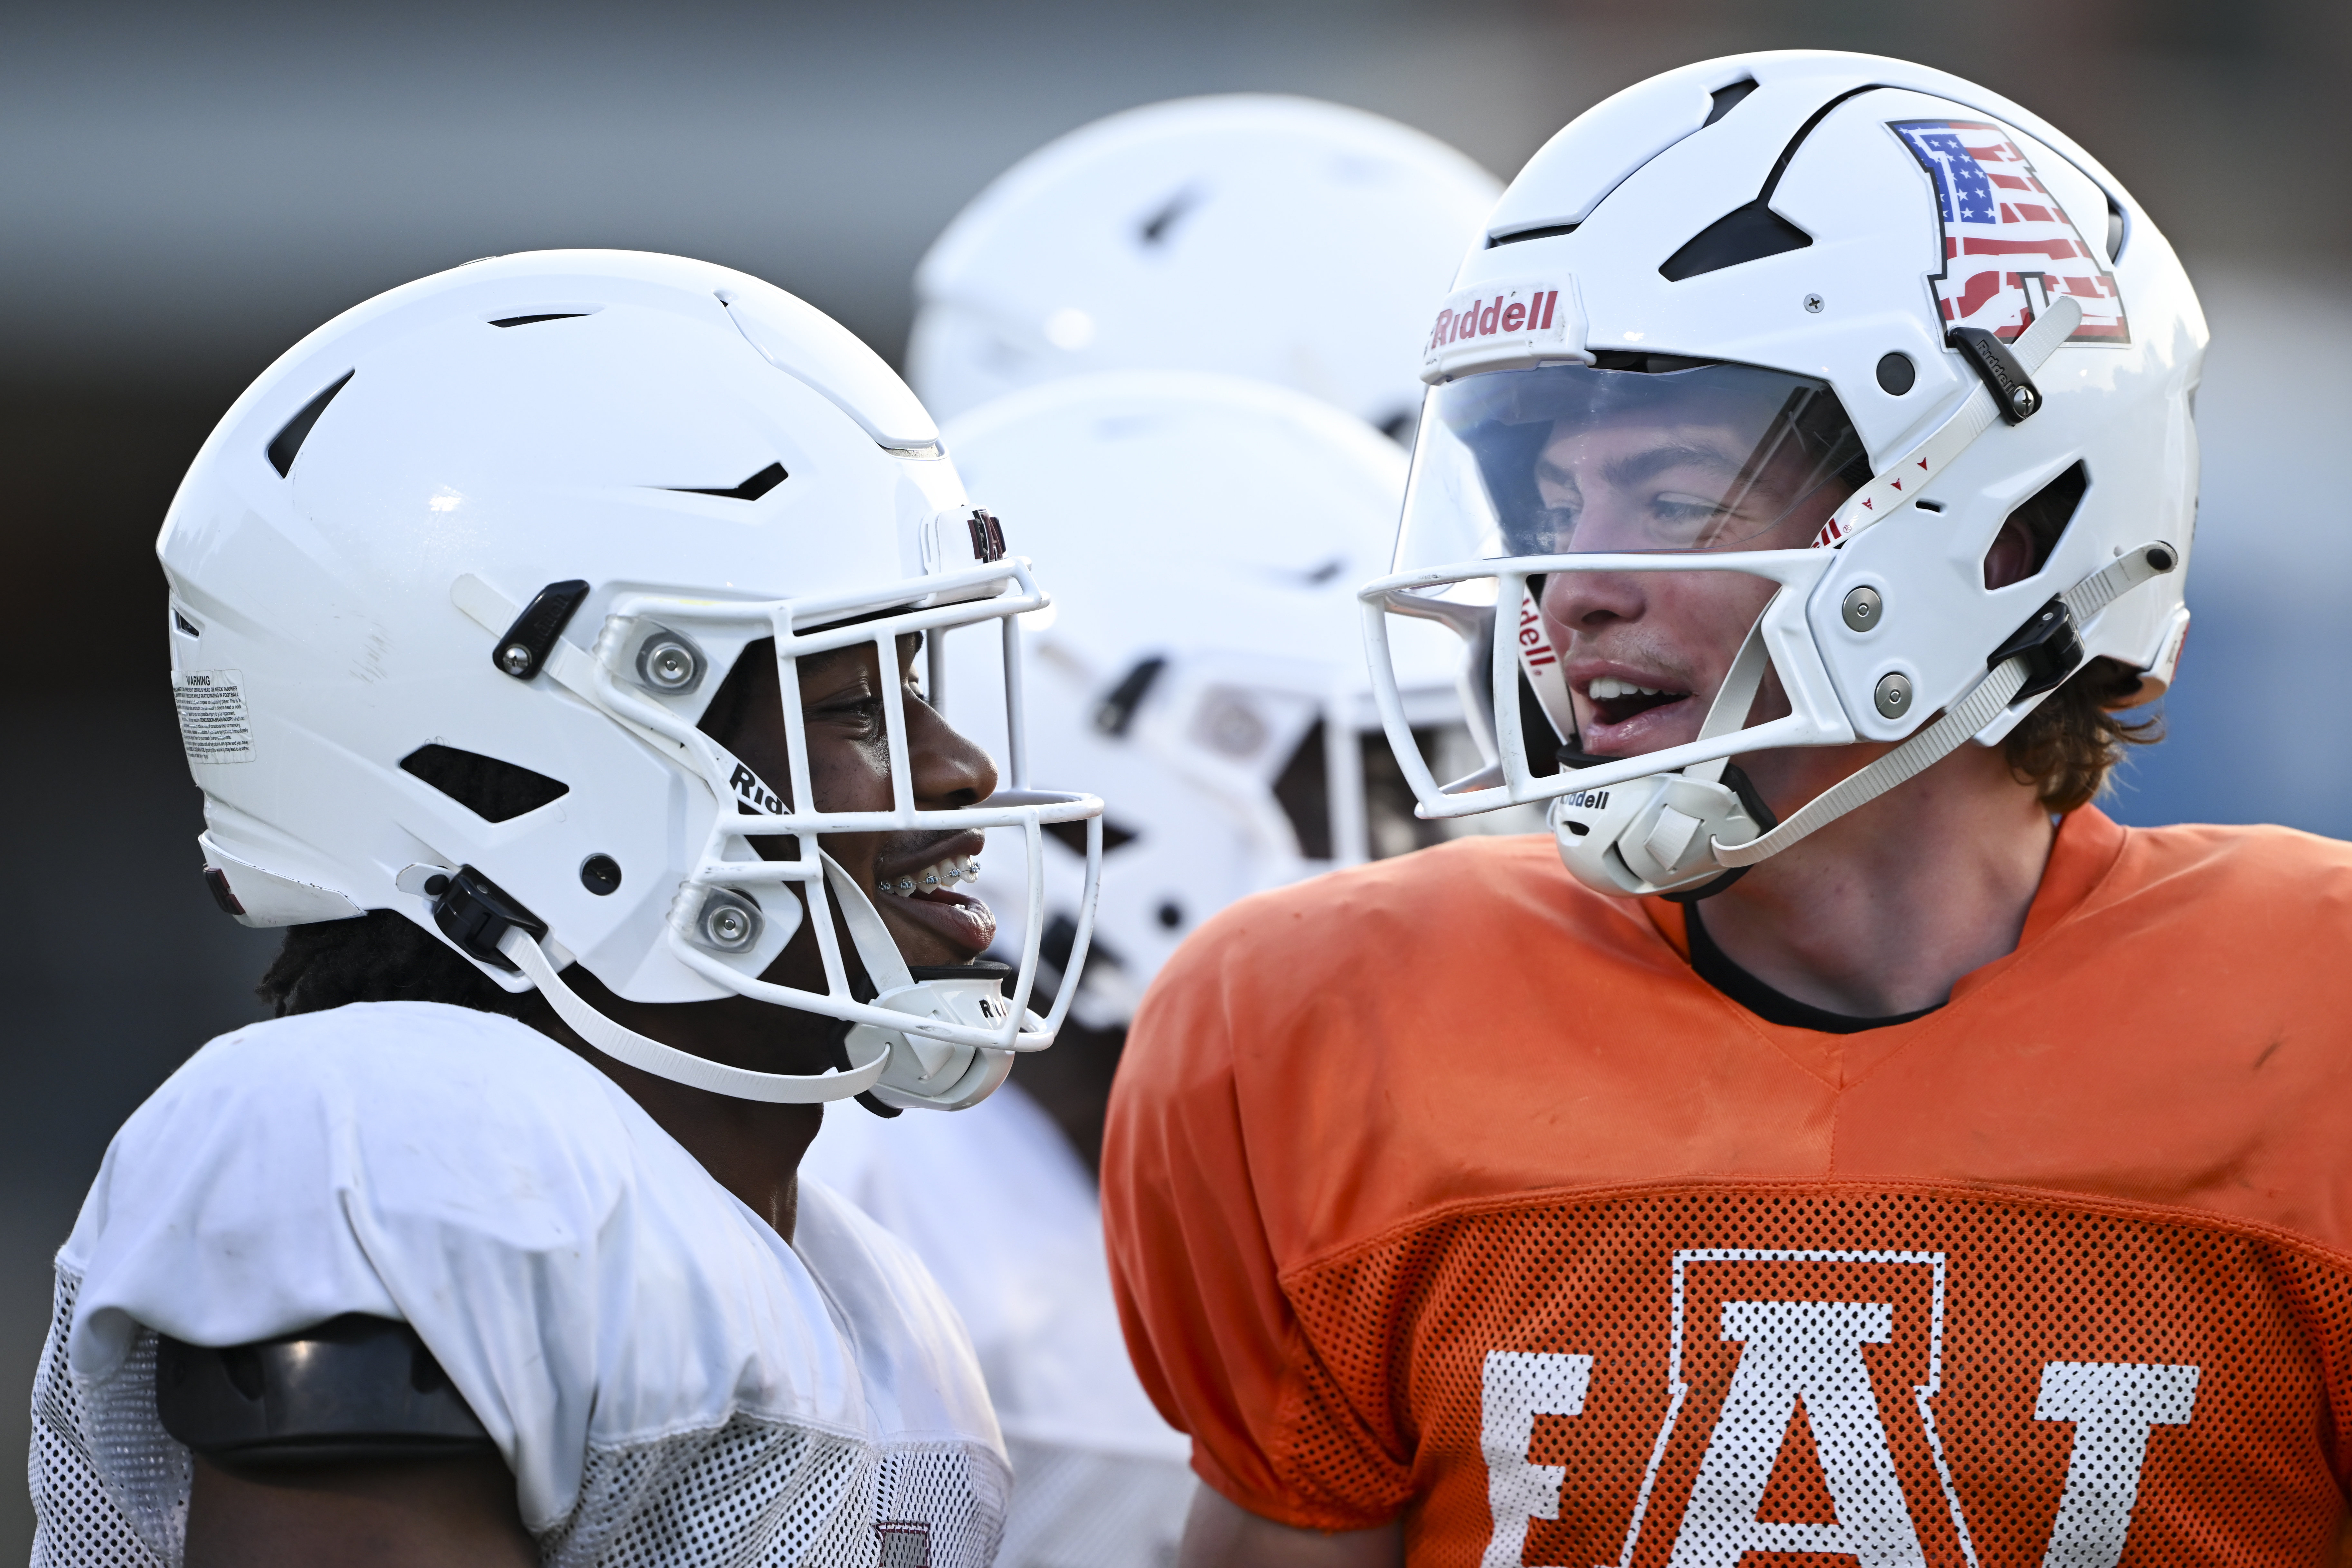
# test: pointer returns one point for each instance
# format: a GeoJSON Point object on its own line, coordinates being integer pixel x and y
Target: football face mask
{"type": "Point", "coordinates": [940, 1038]}
{"type": "Point", "coordinates": [1634, 508]}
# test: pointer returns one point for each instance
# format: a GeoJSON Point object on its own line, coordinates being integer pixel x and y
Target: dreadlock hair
{"type": "Point", "coordinates": [382, 956]}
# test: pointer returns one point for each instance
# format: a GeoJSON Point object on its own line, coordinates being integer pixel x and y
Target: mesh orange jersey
{"type": "Point", "coordinates": [1443, 1188]}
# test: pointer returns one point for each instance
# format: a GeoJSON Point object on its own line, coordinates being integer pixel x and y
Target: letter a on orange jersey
{"type": "Point", "coordinates": [1811, 1349]}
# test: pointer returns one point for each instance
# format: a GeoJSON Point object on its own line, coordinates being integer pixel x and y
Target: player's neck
{"type": "Point", "coordinates": [752, 1148]}
{"type": "Point", "coordinates": [1884, 910]}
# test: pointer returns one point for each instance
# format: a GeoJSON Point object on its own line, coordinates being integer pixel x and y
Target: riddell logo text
{"type": "Point", "coordinates": [1534, 647]}
{"type": "Point", "coordinates": [751, 790]}
{"type": "Point", "coordinates": [1489, 317]}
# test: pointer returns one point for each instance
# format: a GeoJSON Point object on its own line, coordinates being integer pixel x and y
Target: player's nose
{"type": "Point", "coordinates": [1584, 602]}
{"type": "Point", "coordinates": [949, 770]}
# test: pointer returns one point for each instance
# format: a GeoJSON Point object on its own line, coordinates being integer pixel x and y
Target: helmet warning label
{"type": "Point", "coordinates": [214, 724]}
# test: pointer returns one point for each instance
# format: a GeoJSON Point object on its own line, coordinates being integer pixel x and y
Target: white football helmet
{"type": "Point", "coordinates": [1880, 310]}
{"type": "Point", "coordinates": [532, 510]}
{"type": "Point", "coordinates": [1285, 238]}
{"type": "Point", "coordinates": [1226, 718]}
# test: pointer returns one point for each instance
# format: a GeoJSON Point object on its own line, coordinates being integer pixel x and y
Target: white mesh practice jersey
{"type": "Point", "coordinates": [1005, 1216]}
{"type": "Point", "coordinates": [670, 1381]}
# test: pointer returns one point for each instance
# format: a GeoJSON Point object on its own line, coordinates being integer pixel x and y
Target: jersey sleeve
{"type": "Point", "coordinates": [1213, 1335]}
{"type": "Point", "coordinates": [451, 1170]}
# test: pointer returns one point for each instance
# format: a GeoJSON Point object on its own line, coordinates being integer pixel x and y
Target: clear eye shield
{"type": "Point", "coordinates": [1575, 458]}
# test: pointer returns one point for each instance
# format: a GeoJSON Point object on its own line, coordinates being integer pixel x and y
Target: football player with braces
{"type": "Point", "coordinates": [1843, 1140]}
{"type": "Point", "coordinates": [594, 783]}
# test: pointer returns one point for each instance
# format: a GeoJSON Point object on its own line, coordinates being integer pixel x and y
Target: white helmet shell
{"type": "Point", "coordinates": [1284, 238]}
{"type": "Point", "coordinates": [664, 461]}
{"type": "Point", "coordinates": [1848, 225]}
{"type": "Point", "coordinates": [1202, 668]}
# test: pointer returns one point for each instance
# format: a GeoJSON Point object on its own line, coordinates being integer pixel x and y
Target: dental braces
{"type": "Point", "coordinates": [946, 873]}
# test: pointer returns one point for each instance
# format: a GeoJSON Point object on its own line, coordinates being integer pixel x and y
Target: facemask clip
{"type": "Point", "coordinates": [1657, 835]}
{"type": "Point", "coordinates": [934, 1074]}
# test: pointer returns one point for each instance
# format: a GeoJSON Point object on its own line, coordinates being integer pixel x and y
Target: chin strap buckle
{"type": "Point", "coordinates": [476, 913]}
{"type": "Point", "coordinates": [2049, 645]}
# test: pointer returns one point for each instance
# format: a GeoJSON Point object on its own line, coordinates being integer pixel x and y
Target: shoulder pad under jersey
{"type": "Point", "coordinates": [354, 1387]}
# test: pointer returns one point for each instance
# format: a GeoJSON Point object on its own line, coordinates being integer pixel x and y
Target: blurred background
{"type": "Point", "coordinates": [187, 190]}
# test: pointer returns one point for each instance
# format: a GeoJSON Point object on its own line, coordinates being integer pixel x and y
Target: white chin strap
{"type": "Point", "coordinates": [649, 1055]}
{"type": "Point", "coordinates": [1971, 713]}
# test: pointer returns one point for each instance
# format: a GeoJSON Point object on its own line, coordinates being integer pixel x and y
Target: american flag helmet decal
{"type": "Point", "coordinates": [2009, 246]}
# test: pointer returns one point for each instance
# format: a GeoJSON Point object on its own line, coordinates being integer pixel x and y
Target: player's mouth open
{"type": "Point", "coordinates": [1617, 703]}
{"type": "Point", "coordinates": [917, 884]}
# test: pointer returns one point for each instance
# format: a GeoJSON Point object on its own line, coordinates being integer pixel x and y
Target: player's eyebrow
{"type": "Point", "coordinates": [1634, 468]}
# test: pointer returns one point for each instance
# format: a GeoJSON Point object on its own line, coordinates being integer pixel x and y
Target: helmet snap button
{"type": "Point", "coordinates": [669, 664]}
{"type": "Point", "coordinates": [1863, 610]}
{"type": "Point", "coordinates": [729, 923]}
{"type": "Point", "coordinates": [1892, 697]}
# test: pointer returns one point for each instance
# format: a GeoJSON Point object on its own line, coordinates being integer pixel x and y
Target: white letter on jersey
{"type": "Point", "coordinates": [1520, 1386]}
{"type": "Point", "coordinates": [1812, 1350]}
{"type": "Point", "coordinates": [2112, 1405]}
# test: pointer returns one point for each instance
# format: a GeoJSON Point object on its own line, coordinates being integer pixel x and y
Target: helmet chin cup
{"type": "Point", "coordinates": [1655, 835]}
{"type": "Point", "coordinates": [938, 1075]}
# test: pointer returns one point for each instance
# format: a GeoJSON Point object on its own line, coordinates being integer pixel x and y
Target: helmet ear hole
{"type": "Point", "coordinates": [2022, 547]}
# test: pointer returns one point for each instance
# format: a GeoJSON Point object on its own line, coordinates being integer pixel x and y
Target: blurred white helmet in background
{"type": "Point", "coordinates": [1201, 667]}
{"type": "Point", "coordinates": [1285, 238]}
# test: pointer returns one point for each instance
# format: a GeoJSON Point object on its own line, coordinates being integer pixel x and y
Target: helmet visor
{"type": "Point", "coordinates": [1572, 458]}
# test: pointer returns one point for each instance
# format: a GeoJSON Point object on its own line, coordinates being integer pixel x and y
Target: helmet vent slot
{"type": "Point", "coordinates": [1156, 229]}
{"type": "Point", "coordinates": [492, 790]}
{"type": "Point", "coordinates": [1727, 99]}
{"type": "Point", "coordinates": [1755, 231]}
{"type": "Point", "coordinates": [1073, 835]}
{"type": "Point", "coordinates": [287, 445]}
{"type": "Point", "coordinates": [1303, 789]}
{"type": "Point", "coordinates": [2022, 547]}
{"type": "Point", "coordinates": [1548, 232]}
{"type": "Point", "coordinates": [1743, 234]}
{"type": "Point", "coordinates": [547, 316]}
{"type": "Point", "coordinates": [1116, 711]}
{"type": "Point", "coordinates": [752, 488]}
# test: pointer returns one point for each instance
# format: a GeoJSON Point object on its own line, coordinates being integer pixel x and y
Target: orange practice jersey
{"type": "Point", "coordinates": [1443, 1188]}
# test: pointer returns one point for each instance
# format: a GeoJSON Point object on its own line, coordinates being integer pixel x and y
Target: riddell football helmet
{"type": "Point", "coordinates": [1284, 238]}
{"type": "Point", "coordinates": [1233, 732]}
{"type": "Point", "coordinates": [1889, 355]}
{"type": "Point", "coordinates": [524, 516]}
